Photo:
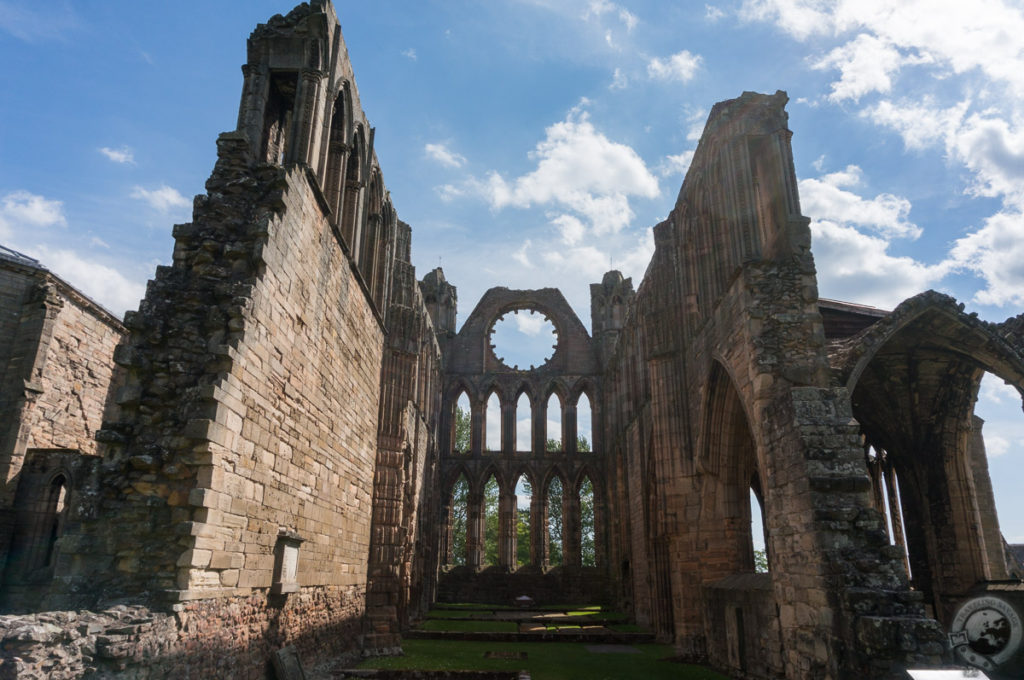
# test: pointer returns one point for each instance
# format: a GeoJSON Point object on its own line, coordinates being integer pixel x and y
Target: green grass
{"type": "Point", "coordinates": [452, 614]}
{"type": "Point", "coordinates": [628, 628]}
{"type": "Point", "coordinates": [470, 605]}
{"type": "Point", "coordinates": [471, 626]}
{"type": "Point", "coordinates": [545, 661]}
{"type": "Point", "coordinates": [562, 626]}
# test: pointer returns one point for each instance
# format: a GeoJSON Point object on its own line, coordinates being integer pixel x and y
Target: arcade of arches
{"type": "Point", "coordinates": [294, 444]}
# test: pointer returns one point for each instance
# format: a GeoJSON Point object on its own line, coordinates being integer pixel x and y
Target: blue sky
{"type": "Point", "coordinates": [533, 143]}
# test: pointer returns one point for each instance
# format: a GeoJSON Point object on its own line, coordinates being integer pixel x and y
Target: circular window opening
{"type": "Point", "coordinates": [523, 339]}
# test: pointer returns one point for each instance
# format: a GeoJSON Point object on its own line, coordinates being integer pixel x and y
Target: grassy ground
{"type": "Point", "coordinates": [470, 626]}
{"type": "Point", "coordinates": [545, 660]}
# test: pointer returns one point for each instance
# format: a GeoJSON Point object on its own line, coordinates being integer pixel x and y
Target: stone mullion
{"type": "Point", "coordinates": [507, 530]}
{"type": "Point", "coordinates": [570, 527]}
{"type": "Point", "coordinates": [304, 121]}
{"type": "Point", "coordinates": [253, 105]}
{"type": "Point", "coordinates": [538, 529]}
{"type": "Point", "coordinates": [478, 415]}
{"type": "Point", "coordinates": [474, 529]}
{"type": "Point", "coordinates": [539, 416]}
{"type": "Point", "coordinates": [895, 516]}
{"type": "Point", "coordinates": [508, 427]}
{"type": "Point", "coordinates": [569, 427]}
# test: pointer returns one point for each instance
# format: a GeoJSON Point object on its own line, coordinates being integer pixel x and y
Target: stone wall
{"type": "Point", "coordinates": [56, 374]}
{"type": "Point", "coordinates": [719, 388]}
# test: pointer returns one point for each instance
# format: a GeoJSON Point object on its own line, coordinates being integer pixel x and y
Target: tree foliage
{"type": "Point", "coordinates": [555, 523]}
{"type": "Point", "coordinates": [760, 561]}
{"type": "Point", "coordinates": [588, 547]}
{"type": "Point", "coordinates": [463, 422]}
{"type": "Point", "coordinates": [460, 496]}
{"type": "Point", "coordinates": [491, 496]}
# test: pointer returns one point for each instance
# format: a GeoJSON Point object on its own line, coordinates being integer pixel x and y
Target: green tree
{"type": "Point", "coordinates": [582, 445]}
{"type": "Point", "coordinates": [522, 536]}
{"type": "Point", "coordinates": [463, 426]}
{"type": "Point", "coordinates": [523, 523]}
{"type": "Point", "coordinates": [491, 495]}
{"type": "Point", "coordinates": [555, 522]}
{"type": "Point", "coordinates": [460, 496]}
{"type": "Point", "coordinates": [760, 561]}
{"type": "Point", "coordinates": [588, 547]}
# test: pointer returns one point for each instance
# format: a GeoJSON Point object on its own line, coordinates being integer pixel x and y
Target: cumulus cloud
{"type": "Point", "coordinates": [681, 66]}
{"type": "Point", "coordinates": [571, 228]}
{"type": "Point", "coordinates": [856, 265]}
{"type": "Point", "coordinates": [163, 199]}
{"type": "Point", "coordinates": [886, 214]}
{"type": "Point", "coordinates": [866, 65]}
{"type": "Point", "coordinates": [598, 8]}
{"type": "Point", "coordinates": [22, 211]}
{"type": "Point", "coordinates": [996, 391]}
{"type": "Point", "coordinates": [445, 156]}
{"type": "Point", "coordinates": [677, 164]}
{"type": "Point", "coordinates": [529, 323]}
{"type": "Point", "coordinates": [579, 169]}
{"type": "Point", "coordinates": [104, 284]}
{"type": "Point", "coordinates": [713, 14]}
{"type": "Point", "coordinates": [123, 155]}
{"type": "Point", "coordinates": [619, 80]}
{"type": "Point", "coordinates": [996, 254]}
{"type": "Point", "coordinates": [409, 54]}
{"type": "Point", "coordinates": [521, 257]}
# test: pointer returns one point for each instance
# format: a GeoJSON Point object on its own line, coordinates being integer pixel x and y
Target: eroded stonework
{"type": "Point", "coordinates": [268, 456]}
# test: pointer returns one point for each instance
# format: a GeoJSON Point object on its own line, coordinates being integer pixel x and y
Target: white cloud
{"type": "Point", "coordinates": [858, 267]}
{"type": "Point", "coordinates": [449, 192]}
{"type": "Point", "coordinates": [529, 324]}
{"type": "Point", "coordinates": [571, 228]}
{"type": "Point", "coordinates": [677, 164]}
{"type": "Point", "coordinates": [598, 8]}
{"type": "Point", "coordinates": [996, 254]}
{"type": "Point", "coordinates": [580, 169]}
{"type": "Point", "coordinates": [163, 199]}
{"type": "Point", "coordinates": [521, 257]}
{"type": "Point", "coordinates": [619, 80]}
{"type": "Point", "coordinates": [681, 66]}
{"type": "Point", "coordinates": [409, 53]}
{"type": "Point", "coordinates": [886, 214]}
{"type": "Point", "coordinates": [866, 64]}
{"type": "Point", "coordinates": [628, 19]}
{"type": "Point", "coordinates": [996, 391]}
{"type": "Point", "coordinates": [123, 155]}
{"type": "Point", "coordinates": [996, 445]}
{"type": "Point", "coordinates": [713, 14]}
{"type": "Point", "coordinates": [696, 119]}
{"type": "Point", "coordinates": [106, 285]}
{"type": "Point", "coordinates": [445, 156]}
{"type": "Point", "coordinates": [24, 211]}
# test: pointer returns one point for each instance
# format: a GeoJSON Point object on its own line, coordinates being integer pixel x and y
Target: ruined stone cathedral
{"type": "Point", "coordinates": [264, 453]}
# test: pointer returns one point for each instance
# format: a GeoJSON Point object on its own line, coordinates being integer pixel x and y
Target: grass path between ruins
{"type": "Point", "coordinates": [545, 660]}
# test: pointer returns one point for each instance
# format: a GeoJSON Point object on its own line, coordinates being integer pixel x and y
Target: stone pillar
{"type": "Point", "coordinates": [538, 529]}
{"type": "Point", "coordinates": [252, 106]}
{"type": "Point", "coordinates": [478, 414]}
{"type": "Point", "coordinates": [569, 428]}
{"type": "Point", "coordinates": [570, 527]}
{"type": "Point", "coordinates": [508, 427]}
{"type": "Point", "coordinates": [304, 124]}
{"type": "Point", "coordinates": [540, 429]}
{"type": "Point", "coordinates": [475, 530]}
{"type": "Point", "coordinates": [507, 530]}
{"type": "Point", "coordinates": [895, 516]}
